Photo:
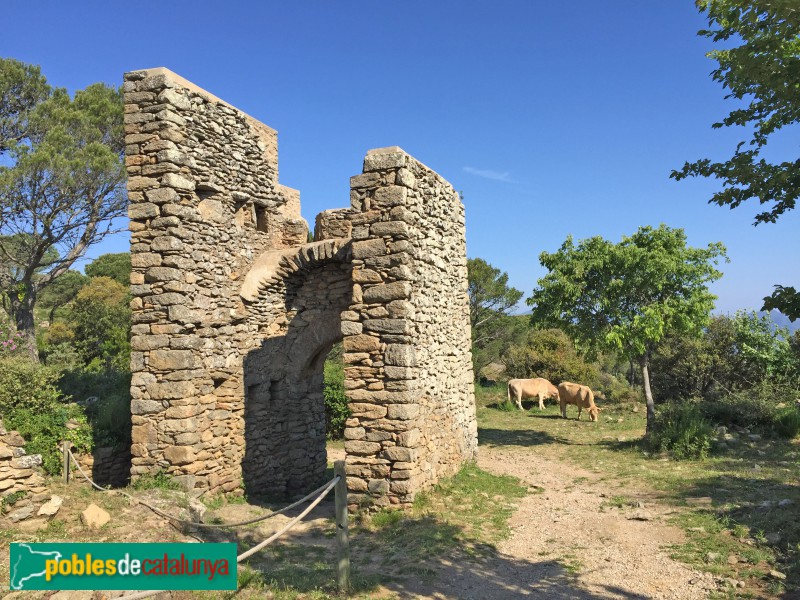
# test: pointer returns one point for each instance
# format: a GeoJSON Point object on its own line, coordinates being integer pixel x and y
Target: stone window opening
{"type": "Point", "coordinates": [262, 219]}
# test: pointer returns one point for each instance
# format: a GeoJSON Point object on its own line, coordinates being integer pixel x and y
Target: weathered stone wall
{"type": "Point", "coordinates": [234, 312]}
{"type": "Point", "coordinates": [20, 477]}
{"type": "Point", "coordinates": [407, 337]}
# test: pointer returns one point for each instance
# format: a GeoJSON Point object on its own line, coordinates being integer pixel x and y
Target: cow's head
{"type": "Point", "coordinates": [594, 412]}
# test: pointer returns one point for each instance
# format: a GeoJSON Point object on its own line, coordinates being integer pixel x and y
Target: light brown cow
{"type": "Point", "coordinates": [578, 395]}
{"type": "Point", "coordinates": [531, 388]}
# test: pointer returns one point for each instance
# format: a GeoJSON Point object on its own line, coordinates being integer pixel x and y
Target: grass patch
{"type": "Point", "coordinates": [159, 480]}
{"type": "Point", "coordinates": [750, 490]}
{"type": "Point", "coordinates": [468, 512]}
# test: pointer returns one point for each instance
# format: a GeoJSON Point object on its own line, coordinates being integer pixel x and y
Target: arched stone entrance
{"type": "Point", "coordinates": [284, 405]}
{"type": "Point", "coordinates": [234, 309]}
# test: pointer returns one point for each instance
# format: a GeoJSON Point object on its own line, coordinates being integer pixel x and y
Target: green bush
{"type": "Point", "coordinates": [25, 384]}
{"type": "Point", "coordinates": [682, 431]}
{"type": "Point", "coordinates": [44, 430]}
{"type": "Point", "coordinates": [759, 407]}
{"type": "Point", "coordinates": [787, 423]}
{"type": "Point", "coordinates": [336, 409]}
{"type": "Point", "coordinates": [614, 390]}
{"type": "Point", "coordinates": [549, 353]}
{"type": "Point", "coordinates": [110, 414]}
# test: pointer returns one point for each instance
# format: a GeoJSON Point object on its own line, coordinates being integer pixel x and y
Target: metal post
{"type": "Point", "coordinates": [342, 540]}
{"type": "Point", "coordinates": [65, 446]}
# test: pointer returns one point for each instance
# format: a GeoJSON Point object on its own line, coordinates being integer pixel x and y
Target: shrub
{"type": "Point", "coordinates": [336, 409]}
{"type": "Point", "coordinates": [110, 414]}
{"type": "Point", "coordinates": [618, 391]}
{"type": "Point", "coordinates": [44, 430]}
{"type": "Point", "coordinates": [549, 353]}
{"type": "Point", "coordinates": [755, 408]}
{"type": "Point", "coordinates": [682, 431]}
{"type": "Point", "coordinates": [787, 423]}
{"type": "Point", "coordinates": [25, 384]}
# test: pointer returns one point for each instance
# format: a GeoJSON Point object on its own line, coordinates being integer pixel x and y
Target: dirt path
{"type": "Point", "coordinates": [569, 542]}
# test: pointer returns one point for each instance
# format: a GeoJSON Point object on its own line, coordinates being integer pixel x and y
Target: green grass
{"type": "Point", "coordinates": [155, 481]}
{"type": "Point", "coordinates": [738, 481]}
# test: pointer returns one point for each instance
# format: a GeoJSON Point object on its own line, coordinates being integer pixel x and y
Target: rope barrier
{"type": "Point", "coordinates": [322, 491]}
{"type": "Point", "coordinates": [196, 523]}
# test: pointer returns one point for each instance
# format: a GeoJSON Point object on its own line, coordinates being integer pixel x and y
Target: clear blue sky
{"type": "Point", "coordinates": [552, 118]}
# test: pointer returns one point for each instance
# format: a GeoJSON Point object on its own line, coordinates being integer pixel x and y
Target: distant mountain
{"type": "Point", "coordinates": [782, 320]}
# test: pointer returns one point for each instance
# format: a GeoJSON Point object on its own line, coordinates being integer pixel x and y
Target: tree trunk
{"type": "Point", "coordinates": [23, 318]}
{"type": "Point", "coordinates": [648, 394]}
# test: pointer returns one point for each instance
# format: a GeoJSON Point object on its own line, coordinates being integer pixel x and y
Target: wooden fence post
{"type": "Point", "coordinates": [342, 540]}
{"type": "Point", "coordinates": [65, 446]}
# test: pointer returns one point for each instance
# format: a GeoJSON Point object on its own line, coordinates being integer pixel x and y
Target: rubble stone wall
{"type": "Point", "coordinates": [407, 337]}
{"type": "Point", "coordinates": [22, 486]}
{"type": "Point", "coordinates": [234, 311]}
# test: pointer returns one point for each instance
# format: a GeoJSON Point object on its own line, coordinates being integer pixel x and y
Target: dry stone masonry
{"type": "Point", "coordinates": [235, 311]}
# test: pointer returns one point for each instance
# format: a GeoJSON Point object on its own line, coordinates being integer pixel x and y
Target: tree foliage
{"type": "Point", "coordinates": [61, 183]}
{"type": "Point", "coordinates": [101, 319]}
{"type": "Point", "coordinates": [625, 297]}
{"type": "Point", "coordinates": [549, 353]}
{"type": "Point", "coordinates": [116, 266]}
{"type": "Point", "coordinates": [490, 301]}
{"type": "Point", "coordinates": [761, 69]}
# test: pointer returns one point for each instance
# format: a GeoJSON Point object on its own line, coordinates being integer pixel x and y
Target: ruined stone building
{"type": "Point", "coordinates": [235, 311]}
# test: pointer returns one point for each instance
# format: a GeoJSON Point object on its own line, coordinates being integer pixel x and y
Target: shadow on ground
{"type": "Point", "coordinates": [515, 437]}
{"type": "Point", "coordinates": [416, 557]}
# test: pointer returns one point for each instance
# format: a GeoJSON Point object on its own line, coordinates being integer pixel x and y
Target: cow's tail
{"type": "Point", "coordinates": [508, 389]}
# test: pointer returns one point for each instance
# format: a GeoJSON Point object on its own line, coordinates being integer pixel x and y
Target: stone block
{"type": "Point", "coordinates": [179, 455]}
{"type": "Point", "coordinates": [142, 210]}
{"type": "Point", "coordinates": [94, 517]}
{"type": "Point", "coordinates": [166, 244]}
{"type": "Point", "coordinates": [171, 390]}
{"type": "Point", "coordinates": [389, 229]}
{"type": "Point", "coordinates": [142, 260]}
{"type": "Point", "coordinates": [368, 248]}
{"type": "Point", "coordinates": [392, 326]}
{"type": "Point", "coordinates": [379, 487]}
{"type": "Point", "coordinates": [361, 447]}
{"type": "Point", "coordinates": [178, 182]}
{"type": "Point", "coordinates": [361, 343]}
{"type": "Point", "coordinates": [400, 355]}
{"type": "Point", "coordinates": [172, 360]}
{"type": "Point", "coordinates": [385, 293]}
{"type": "Point", "coordinates": [141, 183]}
{"type": "Point", "coordinates": [145, 407]}
{"type": "Point", "coordinates": [400, 454]}
{"type": "Point", "coordinates": [382, 159]}
{"type": "Point", "coordinates": [402, 412]}
{"type": "Point", "coordinates": [365, 410]}
{"type": "Point", "coordinates": [149, 342]}
{"type": "Point", "coordinates": [162, 195]}
{"type": "Point", "coordinates": [163, 274]}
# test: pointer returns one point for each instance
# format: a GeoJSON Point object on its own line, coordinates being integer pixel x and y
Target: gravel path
{"type": "Point", "coordinates": [567, 544]}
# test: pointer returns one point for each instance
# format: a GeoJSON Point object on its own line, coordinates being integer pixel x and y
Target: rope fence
{"type": "Point", "coordinates": [342, 539]}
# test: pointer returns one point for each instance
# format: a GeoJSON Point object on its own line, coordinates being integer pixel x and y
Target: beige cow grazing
{"type": "Point", "coordinates": [578, 395]}
{"type": "Point", "coordinates": [522, 389]}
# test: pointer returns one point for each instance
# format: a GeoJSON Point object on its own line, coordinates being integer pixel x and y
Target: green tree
{"type": "Point", "coordinates": [101, 318]}
{"type": "Point", "coordinates": [61, 179]}
{"type": "Point", "coordinates": [761, 69]}
{"type": "Point", "coordinates": [549, 353]}
{"type": "Point", "coordinates": [490, 301]}
{"type": "Point", "coordinates": [115, 266]}
{"type": "Point", "coordinates": [61, 292]}
{"type": "Point", "coordinates": [625, 297]}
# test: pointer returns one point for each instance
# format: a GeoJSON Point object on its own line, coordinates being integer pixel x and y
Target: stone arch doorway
{"type": "Point", "coordinates": [285, 451]}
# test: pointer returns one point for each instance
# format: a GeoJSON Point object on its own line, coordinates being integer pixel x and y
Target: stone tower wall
{"type": "Point", "coordinates": [234, 311]}
{"type": "Point", "coordinates": [407, 337]}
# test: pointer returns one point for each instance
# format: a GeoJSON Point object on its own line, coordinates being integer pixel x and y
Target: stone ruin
{"type": "Point", "coordinates": [235, 310]}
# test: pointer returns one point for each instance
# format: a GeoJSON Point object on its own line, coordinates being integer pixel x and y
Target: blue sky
{"type": "Point", "coordinates": [551, 118]}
